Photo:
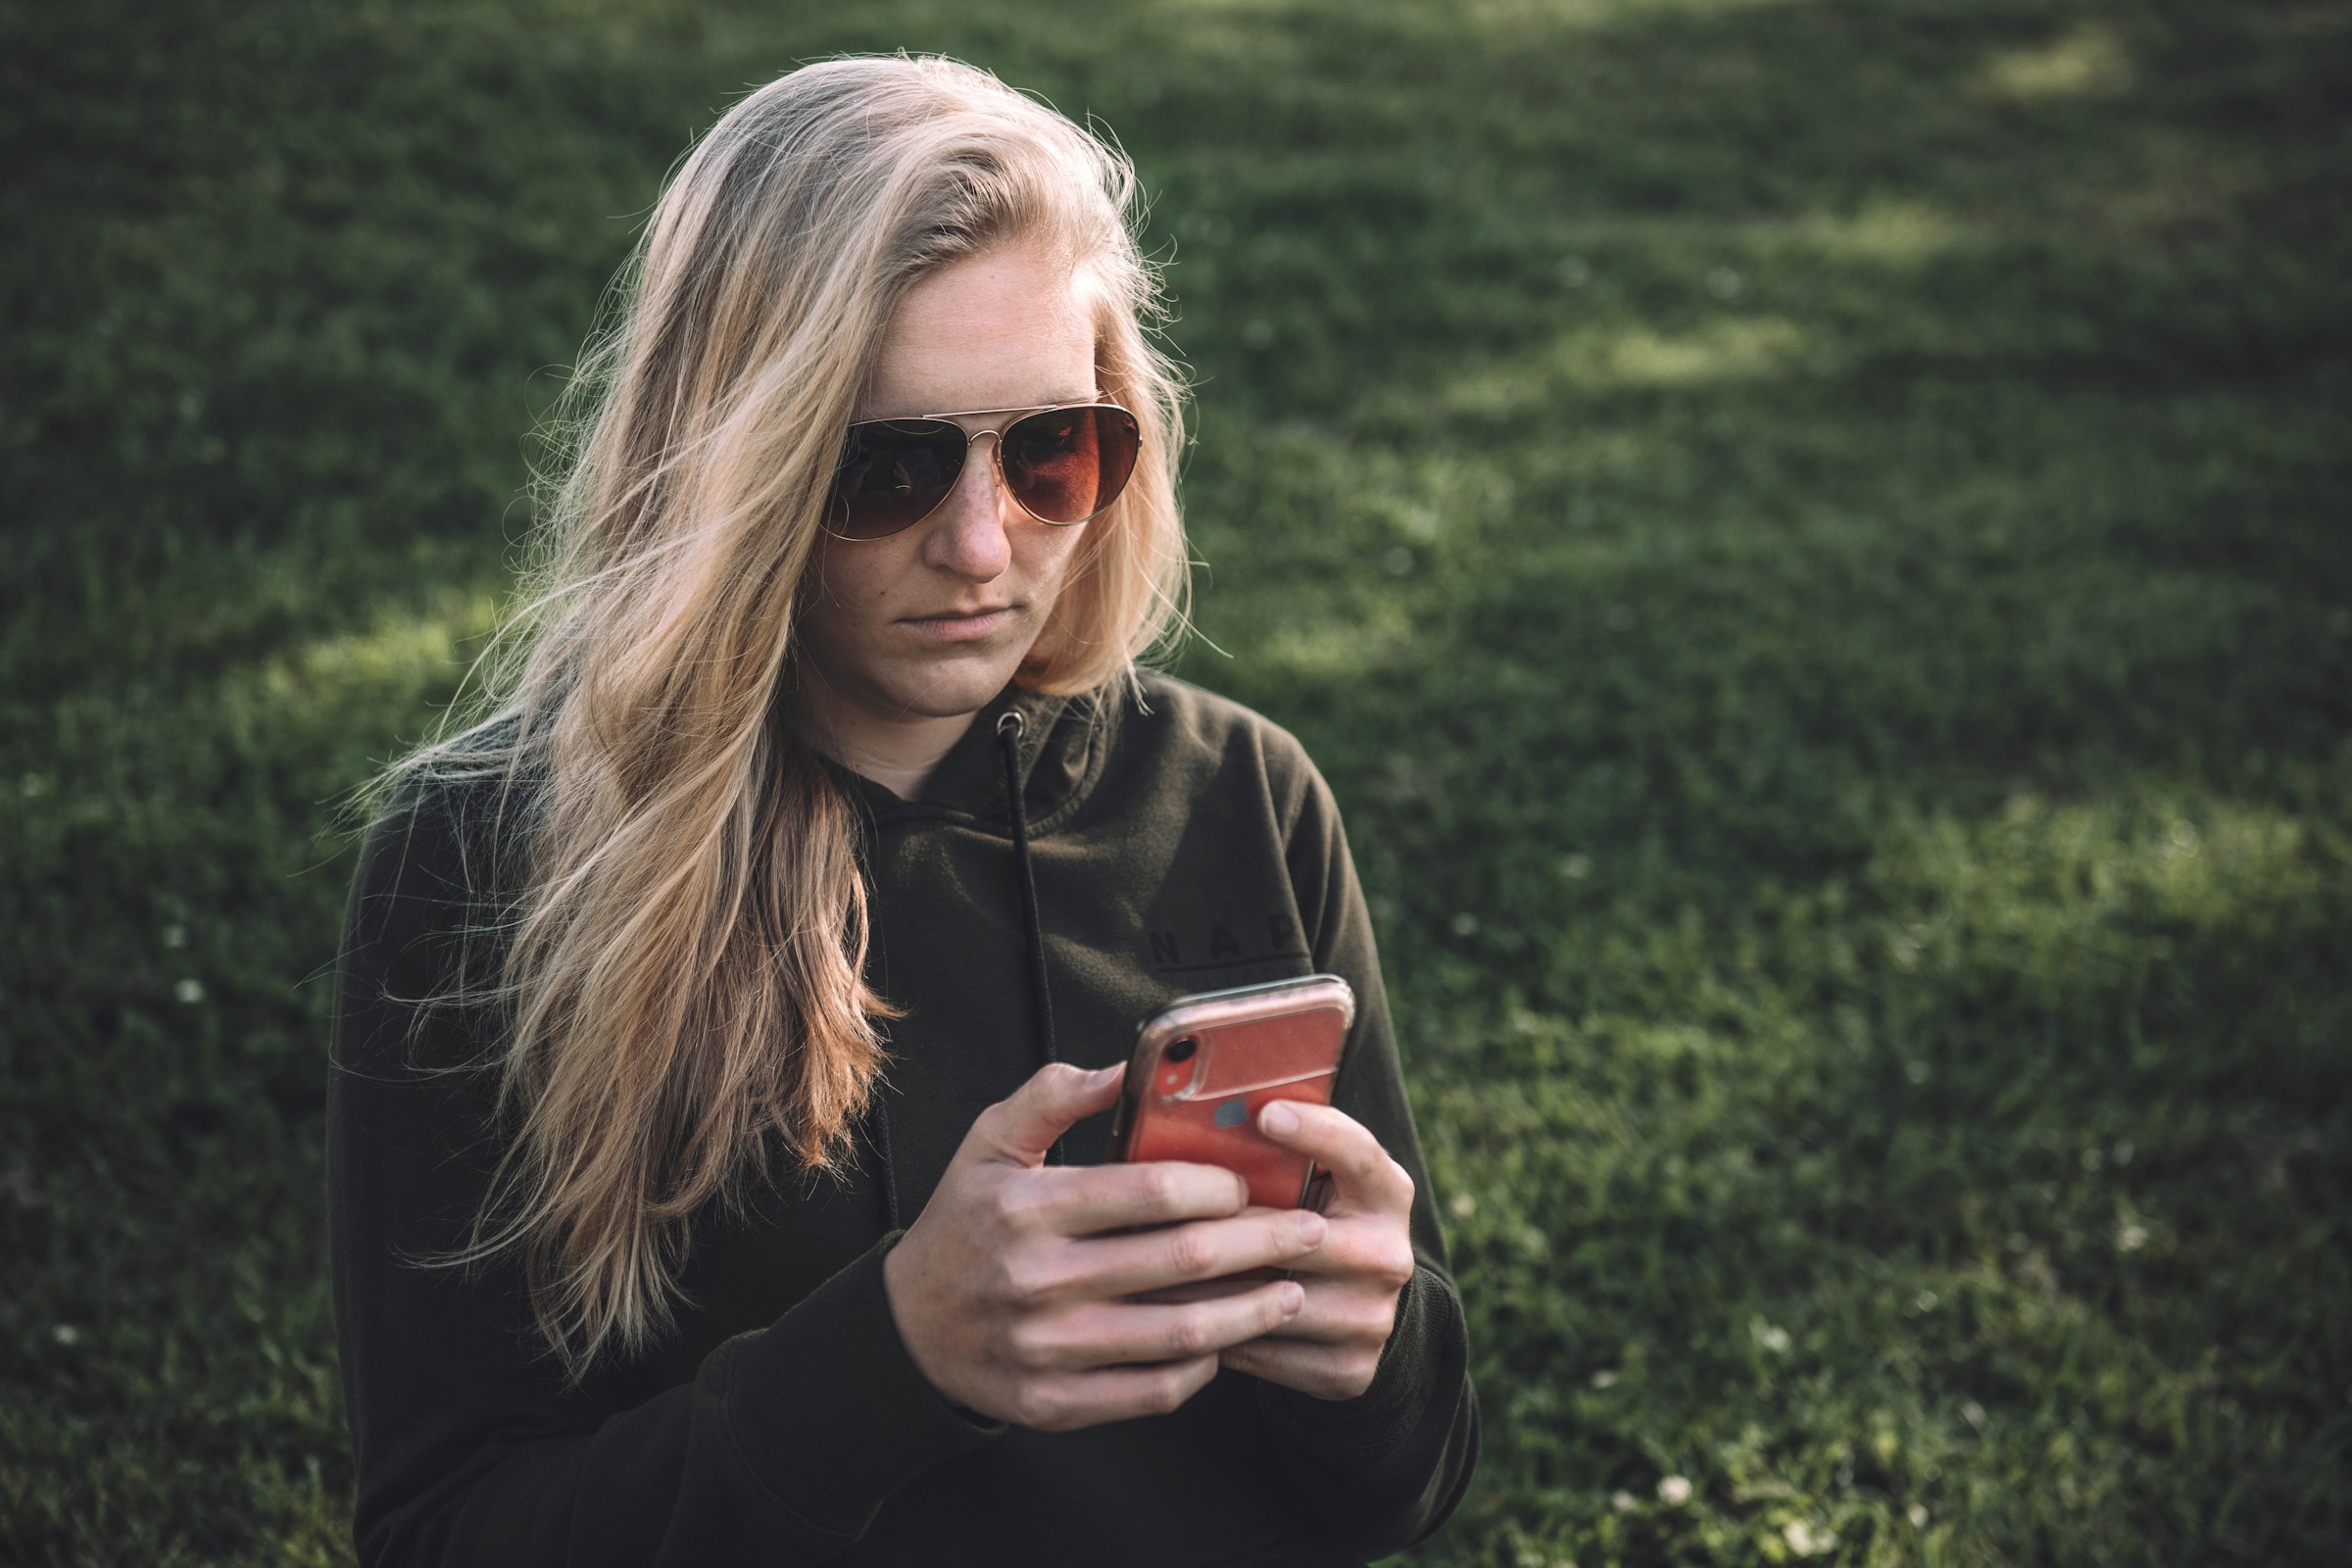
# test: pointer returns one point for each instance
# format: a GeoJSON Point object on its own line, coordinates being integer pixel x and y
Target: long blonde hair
{"type": "Point", "coordinates": [681, 981]}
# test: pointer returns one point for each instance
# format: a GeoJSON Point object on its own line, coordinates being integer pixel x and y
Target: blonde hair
{"type": "Point", "coordinates": [681, 981]}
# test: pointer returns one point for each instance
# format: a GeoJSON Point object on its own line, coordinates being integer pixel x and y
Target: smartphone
{"type": "Point", "coordinates": [1204, 1064]}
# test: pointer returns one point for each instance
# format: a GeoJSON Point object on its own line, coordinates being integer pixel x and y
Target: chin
{"type": "Point", "coordinates": [950, 693]}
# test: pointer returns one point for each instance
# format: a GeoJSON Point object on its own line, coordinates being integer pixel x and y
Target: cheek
{"type": "Point", "coordinates": [836, 601]}
{"type": "Point", "coordinates": [1052, 553]}
{"type": "Point", "coordinates": [848, 574]}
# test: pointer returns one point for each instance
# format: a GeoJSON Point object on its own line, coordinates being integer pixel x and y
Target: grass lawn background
{"type": "Point", "coordinates": [1808, 535]}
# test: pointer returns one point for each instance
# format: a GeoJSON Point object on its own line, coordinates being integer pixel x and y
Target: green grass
{"type": "Point", "coordinates": [1808, 534]}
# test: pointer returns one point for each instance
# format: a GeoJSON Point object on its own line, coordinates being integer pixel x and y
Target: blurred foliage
{"type": "Point", "coordinates": [1808, 534]}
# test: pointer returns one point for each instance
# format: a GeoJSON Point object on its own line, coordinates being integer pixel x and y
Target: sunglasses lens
{"type": "Point", "coordinates": [893, 473]}
{"type": "Point", "coordinates": [1066, 464]}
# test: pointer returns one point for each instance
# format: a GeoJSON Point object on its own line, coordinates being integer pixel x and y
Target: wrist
{"type": "Point", "coordinates": [899, 1295]}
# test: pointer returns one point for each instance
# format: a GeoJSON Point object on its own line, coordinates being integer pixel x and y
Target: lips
{"type": "Point", "coordinates": [959, 626]}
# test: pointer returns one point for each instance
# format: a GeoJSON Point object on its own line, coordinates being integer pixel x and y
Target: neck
{"type": "Point", "coordinates": [899, 752]}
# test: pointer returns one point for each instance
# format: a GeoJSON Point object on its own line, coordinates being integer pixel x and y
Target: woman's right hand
{"type": "Point", "coordinates": [1011, 1290]}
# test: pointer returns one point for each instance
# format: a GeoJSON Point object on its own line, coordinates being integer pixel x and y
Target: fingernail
{"type": "Point", "coordinates": [1101, 1076]}
{"type": "Point", "coordinates": [1311, 1228]}
{"type": "Point", "coordinates": [1279, 1118]}
{"type": "Point", "coordinates": [1293, 1297]}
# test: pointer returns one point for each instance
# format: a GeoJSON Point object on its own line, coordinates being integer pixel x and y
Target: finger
{"type": "Point", "coordinates": [1211, 1289]}
{"type": "Point", "coordinates": [1328, 1372]}
{"type": "Point", "coordinates": [1087, 1200]}
{"type": "Point", "coordinates": [1372, 1252]}
{"type": "Point", "coordinates": [1126, 1333]}
{"type": "Point", "coordinates": [1114, 1393]}
{"type": "Point", "coordinates": [1205, 1249]}
{"type": "Point", "coordinates": [1019, 1129]}
{"type": "Point", "coordinates": [1338, 1315]}
{"type": "Point", "coordinates": [1359, 1167]}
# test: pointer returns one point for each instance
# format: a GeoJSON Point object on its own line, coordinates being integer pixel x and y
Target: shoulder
{"type": "Point", "coordinates": [431, 904]}
{"type": "Point", "coordinates": [444, 846]}
{"type": "Point", "coordinates": [1187, 737]}
{"type": "Point", "coordinates": [1177, 713]}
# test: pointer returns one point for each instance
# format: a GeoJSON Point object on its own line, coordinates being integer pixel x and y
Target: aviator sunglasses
{"type": "Point", "coordinates": [1064, 466]}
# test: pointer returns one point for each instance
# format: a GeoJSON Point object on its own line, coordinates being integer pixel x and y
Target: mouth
{"type": "Point", "coordinates": [961, 625]}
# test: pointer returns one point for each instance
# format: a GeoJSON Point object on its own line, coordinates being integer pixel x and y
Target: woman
{"type": "Point", "coordinates": [714, 1011]}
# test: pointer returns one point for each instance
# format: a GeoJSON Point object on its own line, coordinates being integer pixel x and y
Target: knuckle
{"type": "Point", "coordinates": [1019, 1204]}
{"type": "Point", "coordinates": [986, 1190]}
{"type": "Point", "coordinates": [1021, 1279]}
{"type": "Point", "coordinates": [1402, 1178]}
{"type": "Point", "coordinates": [1187, 1336]}
{"type": "Point", "coordinates": [1162, 1192]}
{"type": "Point", "coordinates": [1025, 1346]}
{"type": "Point", "coordinates": [1035, 1406]}
{"type": "Point", "coordinates": [1169, 1390]}
{"type": "Point", "coordinates": [1370, 1320]}
{"type": "Point", "coordinates": [1188, 1253]}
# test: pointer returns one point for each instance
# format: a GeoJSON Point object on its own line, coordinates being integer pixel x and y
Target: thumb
{"type": "Point", "coordinates": [1018, 1129]}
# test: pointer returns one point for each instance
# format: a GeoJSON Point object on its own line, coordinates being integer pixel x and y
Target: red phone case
{"type": "Point", "coordinates": [1205, 1065]}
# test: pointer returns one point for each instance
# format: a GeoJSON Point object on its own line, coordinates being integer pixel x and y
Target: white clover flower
{"type": "Point", "coordinates": [1624, 1502]}
{"type": "Point", "coordinates": [1674, 1491]}
{"type": "Point", "coordinates": [1918, 1515]}
{"type": "Point", "coordinates": [66, 1334]}
{"type": "Point", "coordinates": [1805, 1539]}
{"type": "Point", "coordinates": [2131, 1236]}
{"type": "Point", "coordinates": [1605, 1378]}
{"type": "Point", "coordinates": [1463, 1206]}
{"type": "Point", "coordinates": [1771, 1336]}
{"type": "Point", "coordinates": [190, 992]}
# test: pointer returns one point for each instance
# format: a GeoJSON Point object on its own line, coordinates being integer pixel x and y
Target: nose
{"type": "Point", "coordinates": [971, 534]}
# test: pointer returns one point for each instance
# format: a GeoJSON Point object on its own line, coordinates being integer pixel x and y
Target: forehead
{"type": "Point", "coordinates": [1005, 329]}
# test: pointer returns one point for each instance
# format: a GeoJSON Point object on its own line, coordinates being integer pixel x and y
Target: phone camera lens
{"type": "Point", "coordinates": [1182, 1049]}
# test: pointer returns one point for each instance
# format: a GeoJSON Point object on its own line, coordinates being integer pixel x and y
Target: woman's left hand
{"type": "Point", "coordinates": [1332, 1348]}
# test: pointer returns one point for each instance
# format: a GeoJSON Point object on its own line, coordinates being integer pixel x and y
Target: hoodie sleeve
{"type": "Point", "coordinates": [1396, 1458]}
{"type": "Point", "coordinates": [469, 1444]}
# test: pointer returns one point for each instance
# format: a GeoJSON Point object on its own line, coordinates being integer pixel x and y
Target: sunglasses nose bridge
{"type": "Point", "coordinates": [995, 469]}
{"type": "Point", "coordinates": [996, 458]}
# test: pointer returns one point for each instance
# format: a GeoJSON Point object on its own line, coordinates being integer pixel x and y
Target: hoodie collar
{"type": "Point", "coordinates": [1063, 743]}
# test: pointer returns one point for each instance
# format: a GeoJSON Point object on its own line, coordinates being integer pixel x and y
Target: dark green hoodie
{"type": "Point", "coordinates": [1178, 844]}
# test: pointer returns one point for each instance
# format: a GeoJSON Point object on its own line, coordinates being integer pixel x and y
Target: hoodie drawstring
{"type": "Point", "coordinates": [1008, 740]}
